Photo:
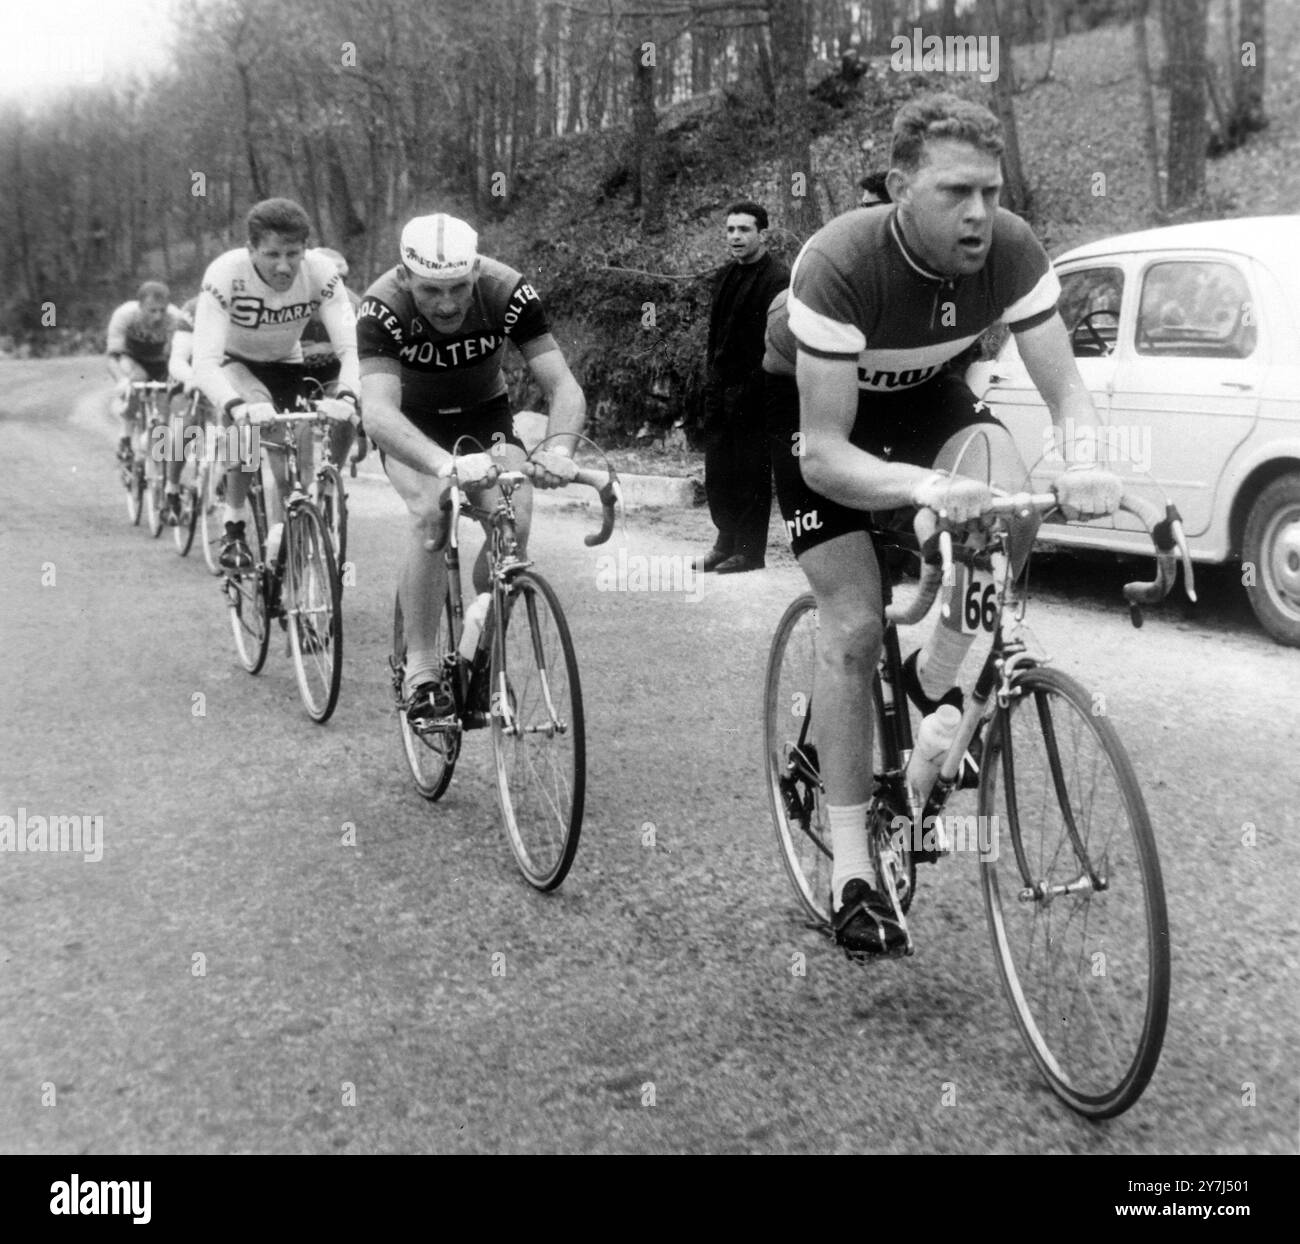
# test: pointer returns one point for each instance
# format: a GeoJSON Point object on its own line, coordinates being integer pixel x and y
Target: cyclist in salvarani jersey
{"type": "Point", "coordinates": [432, 333]}
{"type": "Point", "coordinates": [252, 309]}
{"type": "Point", "coordinates": [862, 410]}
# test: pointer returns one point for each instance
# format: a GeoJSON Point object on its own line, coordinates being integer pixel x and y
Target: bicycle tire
{"type": "Point", "coordinates": [1030, 748]}
{"type": "Point", "coordinates": [312, 599]}
{"type": "Point", "coordinates": [431, 758]}
{"type": "Point", "coordinates": [155, 498]}
{"type": "Point", "coordinates": [332, 502]}
{"type": "Point", "coordinates": [534, 673]}
{"type": "Point", "coordinates": [135, 493]}
{"type": "Point", "coordinates": [790, 758]}
{"type": "Point", "coordinates": [191, 481]}
{"type": "Point", "coordinates": [246, 595]}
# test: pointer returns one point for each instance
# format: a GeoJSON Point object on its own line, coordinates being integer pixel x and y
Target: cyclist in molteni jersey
{"type": "Point", "coordinates": [432, 334]}
{"type": "Point", "coordinates": [252, 309]}
{"type": "Point", "coordinates": [139, 338]}
{"type": "Point", "coordinates": [865, 416]}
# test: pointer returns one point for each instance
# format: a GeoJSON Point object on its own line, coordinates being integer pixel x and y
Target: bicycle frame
{"type": "Point", "coordinates": [503, 564]}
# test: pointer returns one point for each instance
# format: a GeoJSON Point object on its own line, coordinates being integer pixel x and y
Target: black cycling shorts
{"type": "Point", "coordinates": [911, 426]}
{"type": "Point", "coordinates": [283, 381]}
{"type": "Point", "coordinates": [489, 423]}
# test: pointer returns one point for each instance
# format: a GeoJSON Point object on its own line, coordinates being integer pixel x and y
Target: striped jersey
{"type": "Point", "coordinates": [858, 291]}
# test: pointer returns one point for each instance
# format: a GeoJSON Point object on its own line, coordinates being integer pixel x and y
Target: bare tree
{"type": "Point", "coordinates": [788, 23]}
{"type": "Point", "coordinates": [1184, 26]}
{"type": "Point", "coordinates": [1015, 191]}
{"type": "Point", "coordinates": [1150, 142]}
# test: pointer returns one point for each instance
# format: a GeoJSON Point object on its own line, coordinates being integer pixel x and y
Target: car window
{"type": "Point", "coordinates": [1089, 305]}
{"type": "Point", "coordinates": [1195, 308]}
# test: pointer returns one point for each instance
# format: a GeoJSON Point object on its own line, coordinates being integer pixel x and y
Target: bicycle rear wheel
{"type": "Point", "coordinates": [431, 757]}
{"type": "Point", "coordinates": [1074, 896]}
{"type": "Point", "coordinates": [790, 756]}
{"type": "Point", "coordinates": [246, 596]}
{"type": "Point", "coordinates": [538, 734]}
{"type": "Point", "coordinates": [332, 502]}
{"type": "Point", "coordinates": [314, 609]}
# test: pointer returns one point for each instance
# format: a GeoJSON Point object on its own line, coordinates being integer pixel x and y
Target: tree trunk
{"type": "Point", "coordinates": [1184, 28]}
{"type": "Point", "coordinates": [348, 226]}
{"type": "Point", "coordinates": [647, 192]}
{"type": "Point", "coordinates": [1150, 141]}
{"type": "Point", "coordinates": [1015, 191]}
{"type": "Point", "coordinates": [250, 145]}
{"type": "Point", "coordinates": [788, 22]}
{"type": "Point", "coordinates": [1248, 78]}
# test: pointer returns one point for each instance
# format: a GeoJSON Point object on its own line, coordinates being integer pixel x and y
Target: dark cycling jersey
{"type": "Point", "coordinates": [858, 291]}
{"type": "Point", "coordinates": [129, 334]}
{"type": "Point", "coordinates": [451, 373]}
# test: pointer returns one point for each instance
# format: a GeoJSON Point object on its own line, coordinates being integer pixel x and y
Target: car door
{"type": "Point", "coordinates": [1091, 305]}
{"type": "Point", "coordinates": [1188, 377]}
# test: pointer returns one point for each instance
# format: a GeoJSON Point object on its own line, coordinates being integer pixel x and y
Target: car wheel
{"type": "Point", "coordinates": [1271, 546]}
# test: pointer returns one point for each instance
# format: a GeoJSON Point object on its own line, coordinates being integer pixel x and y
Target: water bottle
{"type": "Point", "coordinates": [475, 616]}
{"type": "Point", "coordinates": [932, 743]}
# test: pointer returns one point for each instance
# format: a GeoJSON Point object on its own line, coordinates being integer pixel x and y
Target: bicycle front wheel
{"type": "Point", "coordinates": [191, 483]}
{"type": "Point", "coordinates": [135, 493]}
{"type": "Point", "coordinates": [1073, 894]}
{"type": "Point", "coordinates": [314, 610]}
{"type": "Point", "coordinates": [246, 595]}
{"type": "Point", "coordinates": [211, 528]}
{"type": "Point", "coordinates": [537, 730]}
{"type": "Point", "coordinates": [154, 498]}
{"type": "Point", "coordinates": [333, 505]}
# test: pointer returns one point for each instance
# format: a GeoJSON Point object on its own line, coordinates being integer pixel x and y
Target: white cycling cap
{"type": "Point", "coordinates": [439, 247]}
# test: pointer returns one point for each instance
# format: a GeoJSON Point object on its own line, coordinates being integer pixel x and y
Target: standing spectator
{"type": "Point", "coordinates": [737, 466]}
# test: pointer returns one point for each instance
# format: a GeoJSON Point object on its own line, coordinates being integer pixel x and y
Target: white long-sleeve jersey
{"type": "Point", "coordinates": [239, 316]}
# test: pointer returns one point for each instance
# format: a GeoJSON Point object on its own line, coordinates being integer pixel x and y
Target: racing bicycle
{"type": "Point", "coordinates": [522, 682]}
{"type": "Point", "coordinates": [1072, 886]}
{"type": "Point", "coordinates": [294, 579]}
{"type": "Point", "coordinates": [142, 470]}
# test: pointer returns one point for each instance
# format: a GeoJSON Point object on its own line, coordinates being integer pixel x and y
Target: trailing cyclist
{"type": "Point", "coordinates": [139, 337]}
{"type": "Point", "coordinates": [252, 309]}
{"type": "Point", "coordinates": [865, 416]}
{"type": "Point", "coordinates": [432, 334]}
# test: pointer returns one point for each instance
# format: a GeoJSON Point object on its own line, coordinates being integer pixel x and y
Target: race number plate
{"type": "Point", "coordinates": [979, 601]}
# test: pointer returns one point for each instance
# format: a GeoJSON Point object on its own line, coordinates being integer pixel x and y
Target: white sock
{"type": "Point", "coordinates": [421, 666]}
{"type": "Point", "coordinates": [234, 514]}
{"type": "Point", "coordinates": [849, 846]}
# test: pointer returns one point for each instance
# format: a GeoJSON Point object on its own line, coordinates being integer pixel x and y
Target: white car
{"type": "Point", "coordinates": [1188, 339]}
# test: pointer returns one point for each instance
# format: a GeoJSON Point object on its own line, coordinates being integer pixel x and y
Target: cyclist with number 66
{"type": "Point", "coordinates": [432, 334]}
{"type": "Point", "coordinates": [864, 416]}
